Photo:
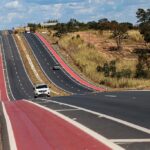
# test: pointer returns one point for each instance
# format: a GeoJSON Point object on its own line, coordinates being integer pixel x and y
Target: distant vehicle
{"type": "Point", "coordinates": [41, 90]}
{"type": "Point", "coordinates": [56, 67]}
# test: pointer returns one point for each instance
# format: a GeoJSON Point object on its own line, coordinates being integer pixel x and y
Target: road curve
{"type": "Point", "coordinates": [60, 77]}
{"type": "Point", "coordinates": [64, 65]}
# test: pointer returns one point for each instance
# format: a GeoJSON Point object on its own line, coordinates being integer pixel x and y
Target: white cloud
{"type": "Point", "coordinates": [11, 16]}
{"type": "Point", "coordinates": [12, 4]}
{"type": "Point", "coordinates": [14, 12]}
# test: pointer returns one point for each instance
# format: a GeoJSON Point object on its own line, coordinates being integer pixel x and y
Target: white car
{"type": "Point", "coordinates": [41, 90]}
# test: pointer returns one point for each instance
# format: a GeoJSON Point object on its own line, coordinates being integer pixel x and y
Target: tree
{"type": "Point", "coordinates": [143, 66]}
{"type": "Point", "coordinates": [73, 25]}
{"type": "Point", "coordinates": [128, 25]}
{"type": "Point", "coordinates": [93, 25]}
{"type": "Point", "coordinates": [119, 34]}
{"type": "Point", "coordinates": [106, 70]}
{"type": "Point", "coordinates": [113, 68]}
{"type": "Point", "coordinates": [144, 20]}
{"type": "Point", "coordinates": [103, 20]}
{"type": "Point", "coordinates": [141, 14]}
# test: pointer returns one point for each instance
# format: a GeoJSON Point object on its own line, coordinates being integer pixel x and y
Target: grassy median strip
{"type": "Point", "coordinates": [32, 67]}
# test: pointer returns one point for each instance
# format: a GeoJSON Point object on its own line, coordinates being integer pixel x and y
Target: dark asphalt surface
{"type": "Point", "coordinates": [47, 62]}
{"type": "Point", "coordinates": [131, 106]}
{"type": "Point", "coordinates": [103, 104]}
{"type": "Point", "coordinates": [20, 84]}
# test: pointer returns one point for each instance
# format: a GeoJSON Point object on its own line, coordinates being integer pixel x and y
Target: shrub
{"type": "Point", "coordinates": [105, 81]}
{"type": "Point", "coordinates": [99, 69]}
{"type": "Point", "coordinates": [78, 36]}
{"type": "Point", "coordinates": [112, 68]}
{"type": "Point", "coordinates": [126, 73]}
{"type": "Point", "coordinates": [106, 70]}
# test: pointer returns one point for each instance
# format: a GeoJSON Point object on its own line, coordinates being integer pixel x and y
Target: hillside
{"type": "Point", "coordinates": [88, 51]}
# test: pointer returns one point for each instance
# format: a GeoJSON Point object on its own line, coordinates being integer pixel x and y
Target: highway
{"type": "Point", "coordinates": [122, 117]}
{"type": "Point", "coordinates": [20, 85]}
{"type": "Point", "coordinates": [47, 61]}
{"type": "Point", "coordinates": [33, 127]}
{"type": "Point", "coordinates": [130, 124]}
{"type": "Point", "coordinates": [130, 106]}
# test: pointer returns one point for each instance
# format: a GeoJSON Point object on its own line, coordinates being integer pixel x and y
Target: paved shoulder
{"type": "Point", "coordinates": [36, 128]}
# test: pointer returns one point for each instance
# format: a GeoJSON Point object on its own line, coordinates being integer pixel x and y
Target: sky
{"type": "Point", "coordinates": [14, 13]}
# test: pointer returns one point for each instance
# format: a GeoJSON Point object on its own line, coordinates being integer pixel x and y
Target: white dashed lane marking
{"type": "Point", "coordinates": [112, 96]}
{"type": "Point", "coordinates": [119, 141]}
{"type": "Point", "coordinates": [62, 110]}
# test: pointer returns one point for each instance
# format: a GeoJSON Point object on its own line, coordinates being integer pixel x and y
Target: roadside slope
{"type": "Point", "coordinates": [69, 70]}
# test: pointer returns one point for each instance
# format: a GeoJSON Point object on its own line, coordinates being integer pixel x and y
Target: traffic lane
{"type": "Point", "coordinates": [114, 131]}
{"type": "Point", "coordinates": [136, 146]}
{"type": "Point", "coordinates": [19, 83]}
{"type": "Point", "coordinates": [95, 122]}
{"type": "Point", "coordinates": [24, 78]}
{"type": "Point", "coordinates": [135, 111]}
{"type": "Point", "coordinates": [62, 72]}
{"type": "Point", "coordinates": [60, 78]}
{"type": "Point", "coordinates": [65, 66]}
{"type": "Point", "coordinates": [11, 72]}
{"type": "Point", "coordinates": [43, 133]}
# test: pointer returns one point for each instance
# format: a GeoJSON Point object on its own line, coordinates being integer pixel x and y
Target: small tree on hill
{"type": "Point", "coordinates": [144, 26]}
{"type": "Point", "coordinates": [119, 34]}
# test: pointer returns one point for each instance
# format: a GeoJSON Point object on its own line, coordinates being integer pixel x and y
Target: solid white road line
{"type": "Point", "coordinates": [63, 110]}
{"type": "Point", "coordinates": [93, 134]}
{"type": "Point", "coordinates": [10, 130]}
{"type": "Point", "coordinates": [4, 64]}
{"type": "Point", "coordinates": [11, 137]}
{"type": "Point", "coordinates": [131, 125]}
{"type": "Point", "coordinates": [130, 140]}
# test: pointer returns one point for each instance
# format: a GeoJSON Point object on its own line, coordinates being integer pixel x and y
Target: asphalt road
{"type": "Point", "coordinates": [131, 106]}
{"type": "Point", "coordinates": [20, 85]}
{"type": "Point", "coordinates": [130, 126]}
{"type": "Point", "coordinates": [61, 78]}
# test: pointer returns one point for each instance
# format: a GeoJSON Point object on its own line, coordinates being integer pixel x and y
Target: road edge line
{"type": "Point", "coordinates": [126, 123]}
{"type": "Point", "coordinates": [83, 128]}
{"type": "Point", "coordinates": [11, 136]}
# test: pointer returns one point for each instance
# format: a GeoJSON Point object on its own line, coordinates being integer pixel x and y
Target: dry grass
{"type": "Point", "coordinates": [84, 54]}
{"type": "Point", "coordinates": [30, 72]}
{"type": "Point", "coordinates": [134, 35]}
{"type": "Point", "coordinates": [127, 83]}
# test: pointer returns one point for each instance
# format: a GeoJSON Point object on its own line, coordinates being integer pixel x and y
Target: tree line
{"type": "Point", "coordinates": [119, 29]}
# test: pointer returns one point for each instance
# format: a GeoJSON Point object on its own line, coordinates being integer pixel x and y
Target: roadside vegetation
{"type": "Point", "coordinates": [26, 51]}
{"type": "Point", "coordinates": [106, 52]}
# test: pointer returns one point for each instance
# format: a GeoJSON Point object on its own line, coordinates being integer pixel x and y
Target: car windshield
{"type": "Point", "coordinates": [41, 86]}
